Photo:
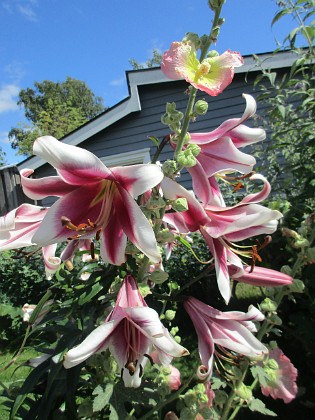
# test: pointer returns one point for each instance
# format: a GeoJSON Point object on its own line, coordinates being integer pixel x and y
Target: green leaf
{"type": "Point", "coordinates": [279, 15]}
{"type": "Point", "coordinates": [102, 396]}
{"type": "Point", "coordinates": [89, 293]}
{"type": "Point", "coordinates": [154, 140]}
{"type": "Point", "coordinates": [113, 413]}
{"type": "Point", "coordinates": [40, 306]}
{"type": "Point", "coordinates": [258, 405]}
{"type": "Point", "coordinates": [258, 372]}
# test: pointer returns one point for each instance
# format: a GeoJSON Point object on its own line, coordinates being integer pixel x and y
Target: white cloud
{"type": "Point", "coordinates": [4, 139]}
{"type": "Point", "coordinates": [8, 98]}
{"type": "Point", "coordinates": [25, 8]}
{"type": "Point", "coordinates": [117, 82]}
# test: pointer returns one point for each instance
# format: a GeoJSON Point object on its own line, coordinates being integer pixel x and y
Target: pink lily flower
{"type": "Point", "coordinates": [130, 332]}
{"type": "Point", "coordinates": [219, 151]}
{"type": "Point", "coordinates": [259, 276]}
{"type": "Point", "coordinates": [282, 377]}
{"type": "Point", "coordinates": [19, 225]}
{"type": "Point", "coordinates": [231, 330]}
{"type": "Point", "coordinates": [212, 75]}
{"type": "Point", "coordinates": [17, 229]}
{"type": "Point", "coordinates": [223, 226]}
{"type": "Point", "coordinates": [94, 200]}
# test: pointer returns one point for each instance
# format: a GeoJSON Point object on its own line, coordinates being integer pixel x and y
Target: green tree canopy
{"type": "Point", "coordinates": [154, 61]}
{"type": "Point", "coordinates": [54, 108]}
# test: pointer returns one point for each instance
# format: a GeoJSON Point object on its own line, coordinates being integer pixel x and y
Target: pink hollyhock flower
{"type": "Point", "coordinates": [259, 276]}
{"type": "Point", "coordinates": [231, 330]}
{"type": "Point", "coordinates": [130, 332]}
{"type": "Point", "coordinates": [94, 200]}
{"type": "Point", "coordinates": [282, 377]}
{"type": "Point", "coordinates": [222, 227]}
{"type": "Point", "coordinates": [212, 75]}
{"type": "Point", "coordinates": [17, 229]}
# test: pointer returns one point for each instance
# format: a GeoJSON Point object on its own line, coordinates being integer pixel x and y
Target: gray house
{"type": "Point", "coordinates": [119, 136]}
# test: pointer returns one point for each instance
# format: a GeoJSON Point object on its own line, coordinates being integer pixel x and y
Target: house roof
{"type": "Point", "coordinates": [132, 103]}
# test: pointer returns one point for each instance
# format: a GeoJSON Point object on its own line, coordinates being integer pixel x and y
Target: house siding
{"type": "Point", "coordinates": [131, 132]}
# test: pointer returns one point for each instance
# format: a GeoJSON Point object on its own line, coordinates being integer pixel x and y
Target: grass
{"type": "Point", "coordinates": [14, 373]}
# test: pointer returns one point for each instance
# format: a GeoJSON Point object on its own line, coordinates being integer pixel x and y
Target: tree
{"type": "Point", "coordinates": [53, 108]}
{"type": "Point", "coordinates": [2, 157]}
{"type": "Point", "coordinates": [154, 61]}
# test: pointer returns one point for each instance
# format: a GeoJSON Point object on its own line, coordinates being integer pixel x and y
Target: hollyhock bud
{"type": "Point", "coordinates": [201, 107]}
{"type": "Point", "coordinates": [244, 392]}
{"type": "Point", "coordinates": [173, 378]}
{"type": "Point", "coordinates": [268, 305]}
{"type": "Point", "coordinates": [170, 315]}
{"type": "Point", "coordinates": [180, 204]}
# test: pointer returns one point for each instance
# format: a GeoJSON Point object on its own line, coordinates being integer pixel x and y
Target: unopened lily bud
{"type": "Point", "coordinates": [268, 305]}
{"type": "Point", "coordinates": [201, 107]}
{"type": "Point", "coordinates": [170, 315]}
{"type": "Point", "coordinates": [180, 204]}
{"type": "Point", "coordinates": [69, 265]}
{"type": "Point", "coordinates": [244, 392]}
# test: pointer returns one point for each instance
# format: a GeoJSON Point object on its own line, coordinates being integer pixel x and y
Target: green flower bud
{"type": "Point", "coordinates": [180, 204]}
{"type": "Point", "coordinates": [169, 167]}
{"type": "Point", "coordinates": [193, 39]}
{"type": "Point", "coordinates": [178, 339]}
{"type": "Point", "coordinates": [213, 53]}
{"type": "Point", "coordinates": [158, 276]}
{"type": "Point", "coordinates": [194, 149]}
{"type": "Point", "coordinates": [201, 107]}
{"type": "Point", "coordinates": [186, 158]}
{"type": "Point", "coordinates": [155, 203]}
{"type": "Point", "coordinates": [170, 107]}
{"type": "Point", "coordinates": [297, 286]}
{"type": "Point", "coordinates": [214, 4]}
{"type": "Point", "coordinates": [268, 305]}
{"type": "Point", "coordinates": [286, 269]}
{"type": "Point", "coordinates": [301, 243]}
{"type": "Point", "coordinates": [272, 364]}
{"type": "Point", "coordinates": [244, 392]}
{"type": "Point", "coordinates": [170, 315]}
{"type": "Point", "coordinates": [275, 319]}
{"type": "Point", "coordinates": [165, 236]}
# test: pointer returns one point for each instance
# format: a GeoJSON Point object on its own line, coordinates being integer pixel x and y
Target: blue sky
{"type": "Point", "coordinates": [93, 41]}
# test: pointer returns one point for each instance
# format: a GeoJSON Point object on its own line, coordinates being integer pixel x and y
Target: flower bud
{"type": "Point", "coordinates": [297, 286]}
{"type": "Point", "coordinates": [192, 38]}
{"type": "Point", "coordinates": [201, 107]}
{"type": "Point", "coordinates": [170, 315]}
{"type": "Point", "coordinates": [213, 53]}
{"type": "Point", "coordinates": [165, 236]}
{"type": "Point", "coordinates": [244, 392]}
{"type": "Point", "coordinates": [180, 204]}
{"type": "Point", "coordinates": [275, 319]}
{"type": "Point", "coordinates": [186, 158]}
{"type": "Point", "coordinates": [155, 203]}
{"type": "Point", "coordinates": [272, 364]}
{"type": "Point", "coordinates": [268, 305]}
{"type": "Point", "coordinates": [169, 167]}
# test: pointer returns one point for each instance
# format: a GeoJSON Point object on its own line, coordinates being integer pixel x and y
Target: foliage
{"type": "Point", "coordinates": [289, 102]}
{"type": "Point", "coordinates": [54, 108]}
{"type": "Point", "coordinates": [154, 61]}
{"type": "Point", "coordinates": [2, 157]}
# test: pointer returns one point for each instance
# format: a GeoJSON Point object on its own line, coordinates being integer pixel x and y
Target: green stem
{"type": "Point", "coordinates": [20, 349]}
{"type": "Point", "coordinates": [171, 398]}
